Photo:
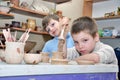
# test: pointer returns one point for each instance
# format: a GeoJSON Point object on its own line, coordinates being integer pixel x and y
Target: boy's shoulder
{"type": "Point", "coordinates": [103, 45]}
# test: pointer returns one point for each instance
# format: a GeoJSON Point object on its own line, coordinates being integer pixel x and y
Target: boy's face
{"type": "Point", "coordinates": [53, 28]}
{"type": "Point", "coordinates": [84, 42]}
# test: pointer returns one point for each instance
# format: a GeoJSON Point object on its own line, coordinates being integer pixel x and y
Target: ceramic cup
{"type": "Point", "coordinates": [45, 57]}
{"type": "Point", "coordinates": [14, 52]}
{"type": "Point", "coordinates": [57, 55]}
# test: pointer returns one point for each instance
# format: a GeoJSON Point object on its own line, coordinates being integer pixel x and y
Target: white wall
{"type": "Point", "coordinates": [72, 9]}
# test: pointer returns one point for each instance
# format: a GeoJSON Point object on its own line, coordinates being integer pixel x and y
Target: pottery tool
{"type": "Point", "coordinates": [7, 35]}
{"type": "Point", "coordinates": [2, 44]}
{"type": "Point", "coordinates": [24, 36]}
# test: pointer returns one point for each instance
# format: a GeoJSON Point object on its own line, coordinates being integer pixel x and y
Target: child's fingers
{"type": "Point", "coordinates": [65, 20]}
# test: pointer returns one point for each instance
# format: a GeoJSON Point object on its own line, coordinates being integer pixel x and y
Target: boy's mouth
{"type": "Point", "coordinates": [83, 51]}
{"type": "Point", "coordinates": [54, 33]}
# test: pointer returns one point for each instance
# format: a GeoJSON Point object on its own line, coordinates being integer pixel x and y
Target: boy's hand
{"type": "Point", "coordinates": [65, 22]}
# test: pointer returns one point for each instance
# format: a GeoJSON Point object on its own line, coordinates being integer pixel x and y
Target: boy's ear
{"type": "Point", "coordinates": [96, 37]}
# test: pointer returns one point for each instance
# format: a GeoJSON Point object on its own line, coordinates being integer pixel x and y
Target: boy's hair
{"type": "Point", "coordinates": [84, 24]}
{"type": "Point", "coordinates": [47, 19]}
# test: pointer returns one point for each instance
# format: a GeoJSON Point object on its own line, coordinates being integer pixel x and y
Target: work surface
{"type": "Point", "coordinates": [46, 68]}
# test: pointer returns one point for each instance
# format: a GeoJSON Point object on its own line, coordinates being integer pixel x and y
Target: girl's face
{"type": "Point", "coordinates": [53, 28]}
{"type": "Point", "coordinates": [84, 42]}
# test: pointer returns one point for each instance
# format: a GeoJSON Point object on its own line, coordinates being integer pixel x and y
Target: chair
{"type": "Point", "coordinates": [117, 52]}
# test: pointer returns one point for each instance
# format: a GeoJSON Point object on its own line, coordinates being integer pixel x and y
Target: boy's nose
{"type": "Point", "coordinates": [80, 45]}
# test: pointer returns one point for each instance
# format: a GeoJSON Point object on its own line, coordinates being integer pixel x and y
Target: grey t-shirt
{"type": "Point", "coordinates": [106, 53]}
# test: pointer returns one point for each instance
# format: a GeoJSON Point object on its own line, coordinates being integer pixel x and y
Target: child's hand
{"type": "Point", "coordinates": [65, 22]}
{"type": "Point", "coordinates": [64, 25]}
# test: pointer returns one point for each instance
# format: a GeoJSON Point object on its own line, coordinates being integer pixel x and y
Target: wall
{"type": "Point", "coordinates": [99, 9]}
{"type": "Point", "coordinates": [72, 9]}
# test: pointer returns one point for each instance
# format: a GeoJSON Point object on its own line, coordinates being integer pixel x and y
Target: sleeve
{"type": "Point", "coordinates": [107, 55]}
{"type": "Point", "coordinates": [70, 42]}
{"type": "Point", "coordinates": [72, 53]}
{"type": "Point", "coordinates": [45, 48]}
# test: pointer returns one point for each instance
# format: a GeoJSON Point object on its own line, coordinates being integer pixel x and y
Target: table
{"type": "Point", "coordinates": [57, 72]}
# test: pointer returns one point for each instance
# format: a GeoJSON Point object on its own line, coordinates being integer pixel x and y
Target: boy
{"type": "Point", "coordinates": [53, 25]}
{"type": "Point", "coordinates": [87, 44]}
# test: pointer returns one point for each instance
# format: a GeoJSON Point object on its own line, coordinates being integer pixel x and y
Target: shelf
{"type": "Point", "coordinates": [99, 1]}
{"type": "Point", "coordinates": [107, 37]}
{"type": "Point", "coordinates": [112, 37]}
{"type": "Point", "coordinates": [6, 15]}
{"type": "Point", "coordinates": [95, 0]}
{"type": "Point", "coordinates": [57, 1]}
{"type": "Point", "coordinates": [26, 11]}
{"type": "Point", "coordinates": [35, 32]}
{"type": "Point", "coordinates": [110, 17]}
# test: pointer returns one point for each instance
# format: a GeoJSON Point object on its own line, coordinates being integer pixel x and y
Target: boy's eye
{"type": "Point", "coordinates": [52, 25]}
{"type": "Point", "coordinates": [75, 42]}
{"type": "Point", "coordinates": [48, 30]}
{"type": "Point", "coordinates": [85, 40]}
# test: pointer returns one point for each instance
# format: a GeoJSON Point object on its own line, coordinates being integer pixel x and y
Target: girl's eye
{"type": "Point", "coordinates": [76, 43]}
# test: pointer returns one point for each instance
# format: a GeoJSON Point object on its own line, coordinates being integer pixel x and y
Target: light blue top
{"type": "Point", "coordinates": [52, 45]}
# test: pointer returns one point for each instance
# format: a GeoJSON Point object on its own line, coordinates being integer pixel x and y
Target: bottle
{"type": "Point", "coordinates": [15, 2]}
{"type": "Point", "coordinates": [31, 23]}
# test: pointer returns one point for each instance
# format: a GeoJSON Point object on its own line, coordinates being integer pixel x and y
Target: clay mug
{"type": "Point", "coordinates": [57, 55]}
{"type": "Point", "coordinates": [45, 57]}
{"type": "Point", "coordinates": [14, 52]}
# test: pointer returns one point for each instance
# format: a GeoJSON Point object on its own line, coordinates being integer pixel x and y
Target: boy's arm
{"type": "Point", "coordinates": [90, 57]}
{"type": "Point", "coordinates": [104, 55]}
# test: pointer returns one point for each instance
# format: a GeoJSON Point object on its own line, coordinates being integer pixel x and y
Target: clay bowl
{"type": "Point", "coordinates": [32, 58]}
{"type": "Point", "coordinates": [85, 62]}
{"type": "Point", "coordinates": [2, 55]}
{"type": "Point", "coordinates": [59, 61]}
